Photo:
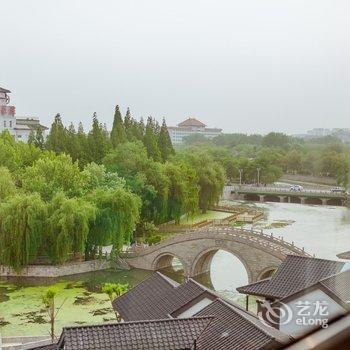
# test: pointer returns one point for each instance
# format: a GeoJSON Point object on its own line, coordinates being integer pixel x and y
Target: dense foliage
{"type": "Point", "coordinates": [275, 154]}
{"type": "Point", "coordinates": [68, 196]}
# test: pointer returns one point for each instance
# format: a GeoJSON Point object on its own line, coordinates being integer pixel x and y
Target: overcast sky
{"type": "Point", "coordinates": [245, 66]}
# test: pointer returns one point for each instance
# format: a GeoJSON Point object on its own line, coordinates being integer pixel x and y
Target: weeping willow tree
{"type": "Point", "coordinates": [22, 223]}
{"type": "Point", "coordinates": [116, 218]}
{"type": "Point", "coordinates": [210, 176]}
{"type": "Point", "coordinates": [183, 191]}
{"type": "Point", "coordinates": [7, 185]}
{"type": "Point", "coordinates": [68, 227]}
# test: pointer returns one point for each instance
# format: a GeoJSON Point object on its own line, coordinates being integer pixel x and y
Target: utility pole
{"type": "Point", "coordinates": [240, 176]}
{"type": "Point", "coordinates": [258, 169]}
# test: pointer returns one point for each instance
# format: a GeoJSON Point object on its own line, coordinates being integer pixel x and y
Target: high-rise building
{"type": "Point", "coordinates": [188, 127]}
{"type": "Point", "coordinates": [19, 128]}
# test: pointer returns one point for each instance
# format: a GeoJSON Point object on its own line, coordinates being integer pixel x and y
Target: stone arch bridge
{"type": "Point", "coordinates": [260, 253]}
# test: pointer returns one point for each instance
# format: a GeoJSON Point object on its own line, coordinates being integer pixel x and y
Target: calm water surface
{"type": "Point", "coordinates": [324, 231]}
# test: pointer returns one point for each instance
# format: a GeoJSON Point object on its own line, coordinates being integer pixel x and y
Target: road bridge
{"type": "Point", "coordinates": [284, 195]}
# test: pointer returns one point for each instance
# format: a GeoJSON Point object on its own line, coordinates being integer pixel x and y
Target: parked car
{"type": "Point", "coordinates": [337, 189]}
{"type": "Point", "coordinates": [296, 188]}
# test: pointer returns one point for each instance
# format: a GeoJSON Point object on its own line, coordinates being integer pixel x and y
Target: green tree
{"type": "Point", "coordinates": [164, 143]}
{"type": "Point", "coordinates": [97, 176]}
{"type": "Point", "coordinates": [210, 176]}
{"type": "Point", "coordinates": [82, 146]}
{"type": "Point", "coordinates": [116, 218]}
{"type": "Point", "coordinates": [97, 142]}
{"type": "Point", "coordinates": [56, 140]}
{"type": "Point", "coordinates": [7, 185]}
{"type": "Point", "coordinates": [8, 152]}
{"type": "Point", "coordinates": [22, 223]}
{"type": "Point", "coordinates": [118, 134]}
{"type": "Point", "coordinates": [52, 174]}
{"type": "Point", "coordinates": [36, 138]}
{"type": "Point", "coordinates": [183, 191]}
{"type": "Point", "coordinates": [48, 299]}
{"type": "Point", "coordinates": [150, 141]}
{"type": "Point", "coordinates": [72, 147]}
{"type": "Point", "coordinates": [115, 290]}
{"type": "Point", "coordinates": [129, 126]}
{"type": "Point", "coordinates": [68, 227]}
{"type": "Point", "coordinates": [276, 139]}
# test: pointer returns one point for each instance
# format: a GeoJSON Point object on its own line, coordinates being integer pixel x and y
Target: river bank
{"type": "Point", "coordinates": [309, 180]}
{"type": "Point", "coordinates": [322, 230]}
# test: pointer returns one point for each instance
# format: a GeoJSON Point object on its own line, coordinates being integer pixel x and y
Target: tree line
{"type": "Point", "coordinates": [276, 154]}
{"type": "Point", "coordinates": [68, 196]}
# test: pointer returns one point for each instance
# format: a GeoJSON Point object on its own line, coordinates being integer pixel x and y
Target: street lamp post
{"type": "Point", "coordinates": [258, 169]}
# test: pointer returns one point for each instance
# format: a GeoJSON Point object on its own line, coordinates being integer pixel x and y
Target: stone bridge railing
{"type": "Point", "coordinates": [282, 191]}
{"type": "Point", "coordinates": [266, 242]}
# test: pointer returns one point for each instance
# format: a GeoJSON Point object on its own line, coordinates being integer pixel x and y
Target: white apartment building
{"type": "Point", "coordinates": [18, 127]}
{"type": "Point", "coordinates": [189, 127]}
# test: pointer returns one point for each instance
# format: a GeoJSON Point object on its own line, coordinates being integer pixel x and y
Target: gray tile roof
{"type": "Point", "coordinates": [155, 298]}
{"type": "Point", "coordinates": [236, 329]}
{"type": "Point", "coordinates": [45, 347]}
{"type": "Point", "coordinates": [4, 90]}
{"type": "Point", "coordinates": [339, 285]}
{"type": "Point", "coordinates": [169, 334]}
{"type": "Point", "coordinates": [294, 274]}
{"type": "Point", "coordinates": [232, 325]}
{"type": "Point", "coordinates": [344, 255]}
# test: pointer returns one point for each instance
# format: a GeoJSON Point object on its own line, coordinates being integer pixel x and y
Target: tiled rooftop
{"type": "Point", "coordinates": [169, 334]}
{"type": "Point", "coordinates": [155, 298]}
{"type": "Point", "coordinates": [45, 347]}
{"type": "Point", "coordinates": [339, 285]}
{"type": "Point", "coordinates": [235, 329]}
{"type": "Point", "coordinates": [294, 274]}
{"type": "Point", "coordinates": [4, 90]}
{"type": "Point", "coordinates": [232, 325]}
{"type": "Point", "coordinates": [191, 122]}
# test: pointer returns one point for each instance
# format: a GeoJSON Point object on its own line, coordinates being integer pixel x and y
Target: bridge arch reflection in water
{"type": "Point", "coordinates": [224, 270]}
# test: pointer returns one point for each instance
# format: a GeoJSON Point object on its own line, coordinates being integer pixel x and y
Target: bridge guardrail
{"type": "Point", "coordinates": [258, 237]}
{"type": "Point", "coordinates": [282, 190]}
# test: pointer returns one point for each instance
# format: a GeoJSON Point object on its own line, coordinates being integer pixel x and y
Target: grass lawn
{"type": "Point", "coordinates": [210, 214]}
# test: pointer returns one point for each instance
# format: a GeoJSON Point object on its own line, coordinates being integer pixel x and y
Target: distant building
{"type": "Point", "coordinates": [189, 127]}
{"type": "Point", "coordinates": [19, 128]}
{"type": "Point", "coordinates": [319, 132]}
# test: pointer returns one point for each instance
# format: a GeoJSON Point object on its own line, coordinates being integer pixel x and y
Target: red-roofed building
{"type": "Point", "coordinates": [188, 127]}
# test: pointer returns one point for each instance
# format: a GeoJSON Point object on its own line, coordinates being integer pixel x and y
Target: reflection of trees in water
{"type": "Point", "coordinates": [205, 279]}
{"type": "Point", "coordinates": [175, 272]}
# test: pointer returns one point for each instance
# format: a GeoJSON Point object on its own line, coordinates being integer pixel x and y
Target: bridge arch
{"type": "Point", "coordinates": [165, 260]}
{"type": "Point", "coordinates": [266, 273]}
{"type": "Point", "coordinates": [272, 198]}
{"type": "Point", "coordinates": [314, 201]}
{"type": "Point", "coordinates": [335, 201]}
{"type": "Point", "coordinates": [257, 251]}
{"type": "Point", "coordinates": [253, 197]}
{"type": "Point", "coordinates": [201, 263]}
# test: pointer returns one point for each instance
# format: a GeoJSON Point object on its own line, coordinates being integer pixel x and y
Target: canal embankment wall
{"type": "Point", "coordinates": [59, 270]}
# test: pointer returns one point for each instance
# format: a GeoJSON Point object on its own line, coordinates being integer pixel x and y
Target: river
{"type": "Point", "coordinates": [322, 230]}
